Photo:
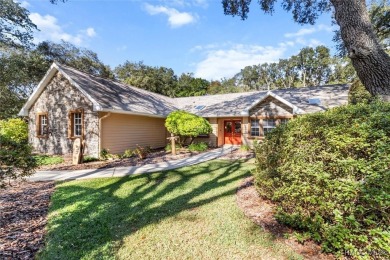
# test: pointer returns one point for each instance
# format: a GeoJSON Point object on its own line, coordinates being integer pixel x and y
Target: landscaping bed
{"type": "Point", "coordinates": [262, 212]}
{"type": "Point", "coordinates": [23, 217]}
{"type": "Point", "coordinates": [156, 156]}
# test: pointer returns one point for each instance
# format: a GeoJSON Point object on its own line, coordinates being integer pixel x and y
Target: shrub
{"type": "Point", "coordinates": [245, 148]}
{"type": "Point", "coordinates": [358, 93]}
{"type": "Point", "coordinates": [87, 159]}
{"type": "Point", "coordinates": [142, 152]}
{"type": "Point", "coordinates": [14, 129]}
{"type": "Point", "coordinates": [48, 160]}
{"type": "Point", "coordinates": [329, 174]}
{"type": "Point", "coordinates": [128, 153]}
{"type": "Point", "coordinates": [104, 154]}
{"type": "Point", "coordinates": [187, 125]}
{"type": "Point", "coordinates": [16, 160]}
{"type": "Point", "coordinates": [198, 147]}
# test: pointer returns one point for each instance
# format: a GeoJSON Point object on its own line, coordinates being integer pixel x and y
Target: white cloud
{"type": "Point", "coordinates": [52, 31]}
{"type": "Point", "coordinates": [301, 32]}
{"type": "Point", "coordinates": [91, 32]}
{"type": "Point", "coordinates": [310, 30]}
{"type": "Point", "coordinates": [226, 62]}
{"type": "Point", "coordinates": [175, 18]}
{"type": "Point", "coordinates": [308, 42]}
{"type": "Point", "coordinates": [24, 4]}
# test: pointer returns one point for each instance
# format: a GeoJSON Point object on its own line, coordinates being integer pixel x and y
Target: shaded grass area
{"type": "Point", "coordinates": [188, 213]}
{"type": "Point", "coordinates": [48, 159]}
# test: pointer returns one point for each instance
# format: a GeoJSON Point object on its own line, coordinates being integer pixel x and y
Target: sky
{"type": "Point", "coordinates": [192, 36]}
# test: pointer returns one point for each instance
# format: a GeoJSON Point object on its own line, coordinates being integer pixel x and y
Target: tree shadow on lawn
{"type": "Point", "coordinates": [90, 219]}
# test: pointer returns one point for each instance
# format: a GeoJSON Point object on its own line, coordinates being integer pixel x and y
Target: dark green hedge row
{"type": "Point", "coordinates": [329, 174]}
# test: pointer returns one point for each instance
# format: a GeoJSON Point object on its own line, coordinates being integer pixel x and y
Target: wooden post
{"type": "Point", "coordinates": [173, 145]}
{"type": "Point", "coordinates": [76, 151]}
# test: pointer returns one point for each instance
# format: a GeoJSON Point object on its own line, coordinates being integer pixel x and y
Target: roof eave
{"type": "Point", "coordinates": [120, 111]}
{"type": "Point", "coordinates": [38, 90]}
{"type": "Point", "coordinates": [54, 68]}
{"type": "Point", "coordinates": [296, 110]}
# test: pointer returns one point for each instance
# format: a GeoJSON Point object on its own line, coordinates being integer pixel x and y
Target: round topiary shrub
{"type": "Point", "coordinates": [329, 174]}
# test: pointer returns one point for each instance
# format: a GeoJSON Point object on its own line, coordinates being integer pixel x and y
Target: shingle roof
{"type": "Point", "coordinates": [113, 96]}
{"type": "Point", "coordinates": [234, 104]}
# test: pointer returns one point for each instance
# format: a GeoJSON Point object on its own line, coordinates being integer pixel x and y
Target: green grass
{"type": "Point", "coordinates": [188, 213]}
{"type": "Point", "coordinates": [48, 159]}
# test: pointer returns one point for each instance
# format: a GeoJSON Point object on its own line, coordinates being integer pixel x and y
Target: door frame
{"type": "Point", "coordinates": [233, 129]}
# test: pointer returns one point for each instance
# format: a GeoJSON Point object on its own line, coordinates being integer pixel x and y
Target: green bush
{"type": "Point", "coordinates": [187, 125]}
{"type": "Point", "coordinates": [329, 174]}
{"type": "Point", "coordinates": [198, 147]}
{"type": "Point", "coordinates": [14, 129]}
{"type": "Point", "coordinates": [127, 154]}
{"type": "Point", "coordinates": [48, 159]}
{"type": "Point", "coordinates": [245, 148]}
{"type": "Point", "coordinates": [88, 159]}
{"type": "Point", "coordinates": [104, 154]}
{"type": "Point", "coordinates": [16, 160]}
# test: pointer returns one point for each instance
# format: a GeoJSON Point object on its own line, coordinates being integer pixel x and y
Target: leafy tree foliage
{"type": "Point", "coordinates": [16, 160]}
{"type": "Point", "coordinates": [367, 55]}
{"type": "Point", "coordinates": [310, 67]}
{"type": "Point", "coordinates": [187, 125]}
{"type": "Point", "coordinates": [15, 25]}
{"type": "Point", "coordinates": [80, 58]}
{"type": "Point", "coordinates": [160, 80]}
{"type": "Point", "coordinates": [14, 129]}
{"type": "Point", "coordinates": [187, 86]}
{"type": "Point", "coordinates": [21, 70]}
{"type": "Point", "coordinates": [329, 174]}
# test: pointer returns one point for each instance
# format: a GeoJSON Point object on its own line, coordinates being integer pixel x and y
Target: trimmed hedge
{"type": "Point", "coordinates": [329, 174]}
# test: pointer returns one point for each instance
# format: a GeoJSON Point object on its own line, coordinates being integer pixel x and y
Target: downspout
{"type": "Point", "coordinates": [101, 130]}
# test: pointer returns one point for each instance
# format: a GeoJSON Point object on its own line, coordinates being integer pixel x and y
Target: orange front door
{"type": "Point", "coordinates": [232, 132]}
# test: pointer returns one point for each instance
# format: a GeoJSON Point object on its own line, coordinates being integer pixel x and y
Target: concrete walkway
{"type": "Point", "coordinates": [123, 171]}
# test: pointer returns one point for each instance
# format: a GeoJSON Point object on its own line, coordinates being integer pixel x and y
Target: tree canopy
{"type": "Point", "coordinates": [368, 56]}
{"type": "Point", "coordinates": [187, 125]}
{"type": "Point", "coordinates": [22, 69]}
{"type": "Point", "coordinates": [15, 25]}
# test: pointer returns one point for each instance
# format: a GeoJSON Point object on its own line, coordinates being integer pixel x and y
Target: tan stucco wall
{"type": "Point", "coordinates": [121, 132]}
{"type": "Point", "coordinates": [57, 99]}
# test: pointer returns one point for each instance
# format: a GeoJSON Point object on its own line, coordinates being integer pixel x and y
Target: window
{"type": "Point", "coordinates": [255, 127]}
{"type": "Point", "coordinates": [268, 125]}
{"type": "Point", "coordinates": [42, 125]}
{"type": "Point", "coordinates": [284, 121]}
{"type": "Point", "coordinates": [75, 123]}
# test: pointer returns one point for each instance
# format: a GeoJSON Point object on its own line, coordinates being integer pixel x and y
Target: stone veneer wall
{"type": "Point", "coordinates": [57, 99]}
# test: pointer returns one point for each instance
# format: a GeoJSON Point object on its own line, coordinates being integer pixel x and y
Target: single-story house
{"type": "Point", "coordinates": [69, 104]}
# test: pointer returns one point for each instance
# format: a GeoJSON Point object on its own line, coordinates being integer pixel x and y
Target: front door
{"type": "Point", "coordinates": [232, 132]}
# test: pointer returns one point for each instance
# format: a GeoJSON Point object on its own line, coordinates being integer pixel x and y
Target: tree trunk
{"type": "Point", "coordinates": [369, 59]}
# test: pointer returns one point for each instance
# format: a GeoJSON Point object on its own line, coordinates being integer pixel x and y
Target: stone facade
{"type": "Point", "coordinates": [269, 108]}
{"type": "Point", "coordinates": [57, 100]}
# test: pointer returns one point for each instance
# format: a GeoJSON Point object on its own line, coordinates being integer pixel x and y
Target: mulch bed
{"type": "Point", "coordinates": [154, 157]}
{"type": "Point", "coordinates": [261, 212]}
{"type": "Point", "coordinates": [23, 216]}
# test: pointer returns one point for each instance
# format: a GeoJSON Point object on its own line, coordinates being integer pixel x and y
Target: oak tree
{"type": "Point", "coordinates": [367, 55]}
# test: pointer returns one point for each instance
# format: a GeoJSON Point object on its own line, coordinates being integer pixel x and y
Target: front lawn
{"type": "Point", "coordinates": [188, 213]}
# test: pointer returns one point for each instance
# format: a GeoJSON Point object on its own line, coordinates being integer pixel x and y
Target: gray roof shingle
{"type": "Point", "coordinates": [113, 96]}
